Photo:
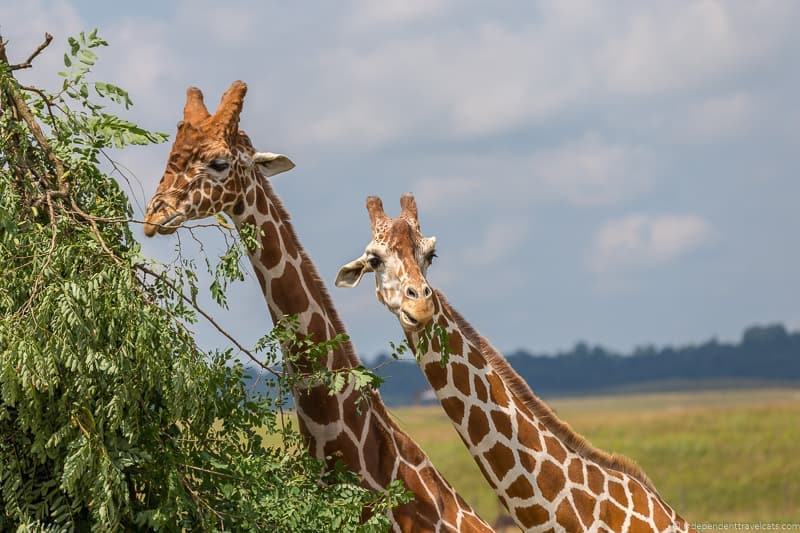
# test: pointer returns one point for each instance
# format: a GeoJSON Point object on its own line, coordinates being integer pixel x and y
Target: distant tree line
{"type": "Point", "coordinates": [764, 354]}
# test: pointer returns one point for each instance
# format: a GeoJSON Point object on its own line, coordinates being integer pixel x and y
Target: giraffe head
{"type": "Point", "coordinates": [212, 164]}
{"type": "Point", "coordinates": [399, 255]}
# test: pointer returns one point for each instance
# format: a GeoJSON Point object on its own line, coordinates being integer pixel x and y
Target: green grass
{"type": "Point", "coordinates": [715, 456]}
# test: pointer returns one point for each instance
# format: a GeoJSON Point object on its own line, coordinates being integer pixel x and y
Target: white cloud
{"type": "Point", "coordinates": [592, 172]}
{"type": "Point", "coordinates": [720, 117]}
{"type": "Point", "coordinates": [500, 240]}
{"type": "Point", "coordinates": [368, 13]}
{"type": "Point", "coordinates": [586, 171]}
{"type": "Point", "coordinates": [447, 192]}
{"type": "Point", "coordinates": [486, 76]}
{"type": "Point", "coordinates": [644, 241]}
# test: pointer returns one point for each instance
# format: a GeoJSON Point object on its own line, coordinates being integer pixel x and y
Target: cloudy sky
{"type": "Point", "coordinates": [621, 176]}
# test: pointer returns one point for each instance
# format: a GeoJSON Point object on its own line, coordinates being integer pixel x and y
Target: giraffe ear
{"type": "Point", "coordinates": [272, 164]}
{"type": "Point", "coordinates": [350, 274]}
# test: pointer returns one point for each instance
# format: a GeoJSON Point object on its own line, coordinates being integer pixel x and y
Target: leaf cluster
{"type": "Point", "coordinates": [111, 417]}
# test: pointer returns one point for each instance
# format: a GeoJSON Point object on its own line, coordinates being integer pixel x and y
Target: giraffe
{"type": "Point", "coordinates": [546, 475]}
{"type": "Point", "coordinates": [213, 169]}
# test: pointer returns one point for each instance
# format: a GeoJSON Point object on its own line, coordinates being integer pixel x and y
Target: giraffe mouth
{"type": "Point", "coordinates": [408, 319]}
{"type": "Point", "coordinates": [164, 226]}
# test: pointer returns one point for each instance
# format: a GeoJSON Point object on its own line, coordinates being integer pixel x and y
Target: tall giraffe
{"type": "Point", "coordinates": [545, 474]}
{"type": "Point", "coordinates": [213, 169]}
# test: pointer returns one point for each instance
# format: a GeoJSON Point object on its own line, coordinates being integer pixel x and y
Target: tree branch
{"type": "Point", "coordinates": [28, 63]}
{"type": "Point", "coordinates": [25, 113]}
{"type": "Point", "coordinates": [205, 315]}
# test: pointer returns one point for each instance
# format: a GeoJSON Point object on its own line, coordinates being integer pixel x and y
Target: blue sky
{"type": "Point", "coordinates": [620, 173]}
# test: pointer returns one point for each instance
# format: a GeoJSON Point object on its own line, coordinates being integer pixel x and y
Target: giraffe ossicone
{"type": "Point", "coordinates": [214, 169]}
{"type": "Point", "coordinates": [545, 474]}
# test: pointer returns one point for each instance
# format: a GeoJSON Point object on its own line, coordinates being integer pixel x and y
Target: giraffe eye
{"type": "Point", "coordinates": [430, 257]}
{"type": "Point", "coordinates": [219, 165]}
{"type": "Point", "coordinates": [374, 262]}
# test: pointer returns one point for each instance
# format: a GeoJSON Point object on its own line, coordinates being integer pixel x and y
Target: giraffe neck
{"type": "Point", "coordinates": [546, 475]}
{"type": "Point", "coordinates": [368, 442]}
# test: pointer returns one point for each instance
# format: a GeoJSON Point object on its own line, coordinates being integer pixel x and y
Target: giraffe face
{"type": "Point", "coordinates": [211, 167]}
{"type": "Point", "coordinates": [399, 255]}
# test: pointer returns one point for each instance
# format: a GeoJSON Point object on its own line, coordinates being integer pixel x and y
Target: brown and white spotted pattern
{"type": "Point", "coordinates": [545, 474]}
{"type": "Point", "coordinates": [213, 169]}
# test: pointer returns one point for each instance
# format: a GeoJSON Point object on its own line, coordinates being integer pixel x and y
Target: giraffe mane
{"type": "Point", "coordinates": [523, 393]}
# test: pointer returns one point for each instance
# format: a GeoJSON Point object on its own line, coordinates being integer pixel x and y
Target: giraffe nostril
{"type": "Point", "coordinates": [411, 293]}
{"type": "Point", "coordinates": [426, 291]}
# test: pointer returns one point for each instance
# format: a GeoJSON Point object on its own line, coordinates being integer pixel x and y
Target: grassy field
{"type": "Point", "coordinates": [717, 456]}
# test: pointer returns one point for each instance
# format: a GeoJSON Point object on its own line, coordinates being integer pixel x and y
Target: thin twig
{"type": "Point", "coordinates": [205, 315]}
{"type": "Point", "coordinates": [28, 62]}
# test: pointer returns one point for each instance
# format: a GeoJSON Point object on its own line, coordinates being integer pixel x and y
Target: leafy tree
{"type": "Point", "coordinates": [111, 417]}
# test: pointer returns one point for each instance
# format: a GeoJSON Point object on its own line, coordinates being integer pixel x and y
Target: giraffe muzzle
{"type": "Point", "coordinates": [164, 225]}
{"type": "Point", "coordinates": [416, 314]}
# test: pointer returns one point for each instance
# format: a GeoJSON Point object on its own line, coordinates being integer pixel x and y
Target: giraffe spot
{"type": "Point", "coordinates": [528, 434]}
{"type": "Point", "coordinates": [500, 459]}
{"type": "Point", "coordinates": [565, 515]}
{"type": "Point", "coordinates": [555, 449]}
{"type": "Point", "coordinates": [228, 197]}
{"type": "Point", "coordinates": [196, 197]}
{"type": "Point", "coordinates": [502, 423]}
{"type": "Point", "coordinates": [550, 480]}
{"type": "Point", "coordinates": [476, 359]}
{"type": "Point", "coordinates": [250, 196]}
{"type": "Point", "coordinates": [344, 449]}
{"type": "Point", "coordinates": [287, 292]}
{"type": "Point", "coordinates": [637, 525]}
{"type": "Point", "coordinates": [595, 478]}
{"type": "Point", "coordinates": [379, 452]}
{"type": "Point", "coordinates": [408, 449]}
{"type": "Point", "coordinates": [271, 248]}
{"type": "Point", "coordinates": [584, 504]}
{"type": "Point", "coordinates": [317, 328]}
{"type": "Point", "coordinates": [423, 505]}
{"type": "Point", "coordinates": [445, 502]}
{"type": "Point", "coordinates": [480, 388]}
{"type": "Point", "coordinates": [261, 280]}
{"type": "Point", "coordinates": [639, 497]}
{"type": "Point", "coordinates": [205, 206]}
{"type": "Point", "coordinates": [527, 460]}
{"type": "Point", "coordinates": [533, 515]}
{"type": "Point", "coordinates": [442, 322]}
{"type": "Point", "coordinates": [318, 405]}
{"type": "Point", "coordinates": [612, 515]}
{"type": "Point", "coordinates": [456, 342]}
{"type": "Point", "coordinates": [352, 418]}
{"type": "Point", "coordinates": [238, 209]}
{"type": "Point", "coordinates": [477, 426]}
{"type": "Point", "coordinates": [261, 204]}
{"type": "Point", "coordinates": [454, 408]}
{"type": "Point", "coordinates": [521, 488]}
{"type": "Point", "coordinates": [461, 378]}
{"type": "Point", "coordinates": [437, 375]}
{"type": "Point", "coordinates": [617, 492]}
{"type": "Point", "coordinates": [470, 524]}
{"type": "Point", "coordinates": [660, 516]}
{"type": "Point", "coordinates": [575, 471]}
{"type": "Point", "coordinates": [288, 242]}
{"type": "Point", "coordinates": [497, 390]}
